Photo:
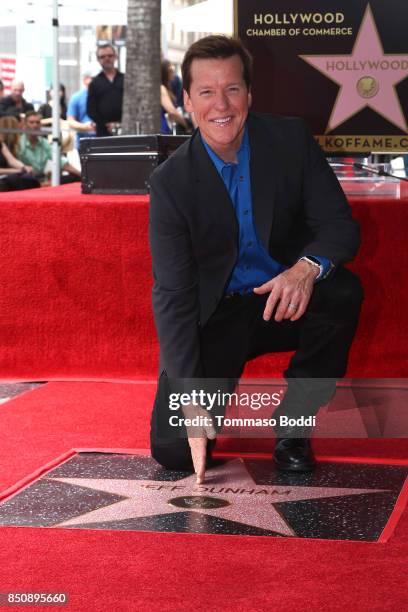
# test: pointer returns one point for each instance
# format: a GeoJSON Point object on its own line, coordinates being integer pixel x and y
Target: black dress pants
{"type": "Point", "coordinates": [236, 333]}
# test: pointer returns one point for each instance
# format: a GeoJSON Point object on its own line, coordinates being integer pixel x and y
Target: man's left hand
{"type": "Point", "coordinates": [290, 292]}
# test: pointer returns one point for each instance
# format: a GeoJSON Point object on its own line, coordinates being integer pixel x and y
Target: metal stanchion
{"type": "Point", "coordinates": [56, 128]}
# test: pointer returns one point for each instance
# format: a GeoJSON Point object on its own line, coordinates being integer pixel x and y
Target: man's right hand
{"type": "Point", "coordinates": [198, 436]}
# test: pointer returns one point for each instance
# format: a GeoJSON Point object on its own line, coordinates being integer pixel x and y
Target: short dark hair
{"type": "Point", "coordinates": [31, 113]}
{"type": "Point", "coordinates": [216, 47]}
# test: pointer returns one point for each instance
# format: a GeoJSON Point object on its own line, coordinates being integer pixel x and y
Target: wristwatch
{"type": "Point", "coordinates": [313, 261]}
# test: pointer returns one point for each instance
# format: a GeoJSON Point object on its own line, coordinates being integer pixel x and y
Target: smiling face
{"type": "Point", "coordinates": [220, 101]}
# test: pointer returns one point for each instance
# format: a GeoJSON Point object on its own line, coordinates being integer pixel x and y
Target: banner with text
{"type": "Point", "coordinates": [343, 67]}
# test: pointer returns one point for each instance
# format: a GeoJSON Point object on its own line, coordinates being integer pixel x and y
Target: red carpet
{"type": "Point", "coordinates": [150, 571]}
{"type": "Point", "coordinates": [78, 275]}
{"type": "Point", "coordinates": [76, 278]}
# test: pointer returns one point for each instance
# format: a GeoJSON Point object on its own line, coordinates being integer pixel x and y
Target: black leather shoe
{"type": "Point", "coordinates": [294, 455]}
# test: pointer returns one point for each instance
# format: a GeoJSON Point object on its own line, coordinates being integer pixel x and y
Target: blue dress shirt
{"type": "Point", "coordinates": [254, 265]}
{"type": "Point", "coordinates": [77, 109]}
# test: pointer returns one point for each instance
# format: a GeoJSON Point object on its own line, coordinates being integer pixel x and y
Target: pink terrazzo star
{"type": "Point", "coordinates": [230, 486]}
{"type": "Point", "coordinates": [367, 77]}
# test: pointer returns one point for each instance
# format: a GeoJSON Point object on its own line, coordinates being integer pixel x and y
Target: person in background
{"type": "Point", "coordinates": [1, 89]}
{"type": "Point", "coordinates": [78, 119]}
{"type": "Point", "coordinates": [11, 139]}
{"type": "Point", "coordinates": [14, 174]}
{"type": "Point", "coordinates": [36, 151]}
{"type": "Point", "coordinates": [15, 104]}
{"type": "Point", "coordinates": [167, 100]}
{"type": "Point", "coordinates": [105, 93]}
{"type": "Point", "coordinates": [176, 86]}
{"type": "Point", "coordinates": [46, 109]}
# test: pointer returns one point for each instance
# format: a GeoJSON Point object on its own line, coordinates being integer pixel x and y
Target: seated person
{"type": "Point", "coordinates": [14, 175]}
{"type": "Point", "coordinates": [35, 151]}
{"type": "Point", "coordinates": [15, 104]}
{"type": "Point", "coordinates": [11, 138]}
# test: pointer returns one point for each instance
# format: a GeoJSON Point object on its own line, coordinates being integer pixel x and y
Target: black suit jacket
{"type": "Point", "coordinates": [298, 206]}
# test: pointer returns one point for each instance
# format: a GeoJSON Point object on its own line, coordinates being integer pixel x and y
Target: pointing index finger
{"type": "Point", "coordinates": [198, 448]}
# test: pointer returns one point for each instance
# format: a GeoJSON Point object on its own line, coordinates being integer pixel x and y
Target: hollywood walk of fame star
{"type": "Point", "coordinates": [367, 77]}
{"type": "Point", "coordinates": [229, 493]}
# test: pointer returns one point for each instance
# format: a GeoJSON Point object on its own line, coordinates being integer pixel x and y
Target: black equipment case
{"type": "Point", "coordinates": [123, 164]}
